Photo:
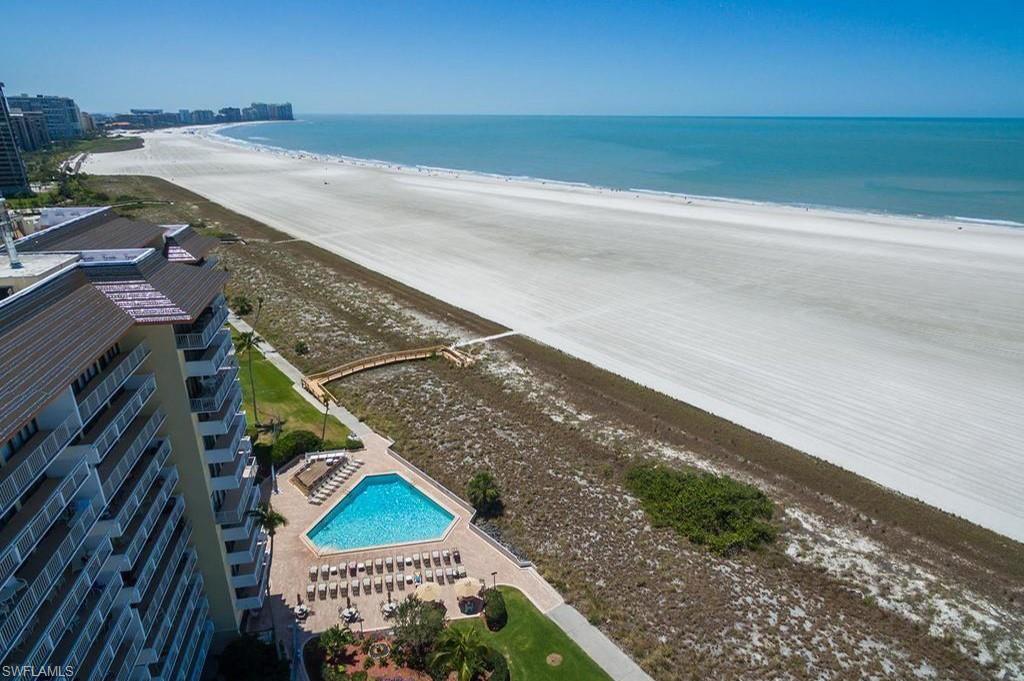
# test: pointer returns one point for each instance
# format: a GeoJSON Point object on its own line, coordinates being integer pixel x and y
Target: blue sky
{"type": "Point", "coordinates": [832, 57]}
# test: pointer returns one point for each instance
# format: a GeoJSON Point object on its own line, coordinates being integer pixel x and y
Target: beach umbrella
{"type": "Point", "coordinates": [468, 588]}
{"type": "Point", "coordinates": [428, 591]}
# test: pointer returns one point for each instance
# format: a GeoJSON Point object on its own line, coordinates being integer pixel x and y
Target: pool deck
{"type": "Point", "coordinates": [294, 555]}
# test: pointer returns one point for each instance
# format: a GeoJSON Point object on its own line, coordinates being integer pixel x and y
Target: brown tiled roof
{"type": "Point", "coordinates": [186, 245]}
{"type": "Point", "coordinates": [101, 230]}
{"type": "Point", "coordinates": [47, 339]}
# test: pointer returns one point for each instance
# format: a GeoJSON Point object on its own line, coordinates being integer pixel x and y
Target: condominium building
{"type": "Point", "coordinates": [30, 130]}
{"type": "Point", "coordinates": [127, 546]}
{"type": "Point", "coordinates": [13, 179]}
{"type": "Point", "coordinates": [63, 119]}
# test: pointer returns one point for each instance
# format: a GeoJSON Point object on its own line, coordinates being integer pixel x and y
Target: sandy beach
{"type": "Point", "coordinates": [889, 346]}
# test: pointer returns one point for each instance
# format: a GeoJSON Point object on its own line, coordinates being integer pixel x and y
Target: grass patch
{"type": "Point", "coordinates": [530, 638]}
{"type": "Point", "coordinates": [717, 511]}
{"type": "Point", "coordinates": [277, 400]}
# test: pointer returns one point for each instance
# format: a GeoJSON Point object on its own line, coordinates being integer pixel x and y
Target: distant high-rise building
{"type": "Point", "coordinates": [185, 116]}
{"type": "Point", "coordinates": [87, 123]}
{"type": "Point", "coordinates": [63, 118]}
{"type": "Point", "coordinates": [200, 116]}
{"type": "Point", "coordinates": [248, 114]}
{"type": "Point", "coordinates": [30, 130]}
{"type": "Point", "coordinates": [231, 114]}
{"type": "Point", "coordinates": [13, 179]}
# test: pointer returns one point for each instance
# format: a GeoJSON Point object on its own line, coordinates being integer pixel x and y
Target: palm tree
{"type": "Point", "coordinates": [461, 650]}
{"type": "Point", "coordinates": [334, 643]}
{"type": "Point", "coordinates": [270, 520]}
{"type": "Point", "coordinates": [484, 494]}
{"type": "Point", "coordinates": [248, 341]}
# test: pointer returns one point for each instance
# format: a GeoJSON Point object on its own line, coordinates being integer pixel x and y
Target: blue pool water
{"type": "Point", "coordinates": [381, 509]}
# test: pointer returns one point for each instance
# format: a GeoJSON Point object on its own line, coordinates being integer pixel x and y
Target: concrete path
{"type": "Point", "coordinates": [289, 370]}
{"type": "Point", "coordinates": [595, 644]}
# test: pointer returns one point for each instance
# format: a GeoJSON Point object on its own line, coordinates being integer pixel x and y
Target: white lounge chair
{"type": "Point", "coordinates": [389, 582]}
{"type": "Point", "coordinates": [334, 589]}
{"type": "Point", "coordinates": [312, 573]}
{"type": "Point", "coordinates": [439, 576]}
{"type": "Point", "coordinates": [435, 554]}
{"type": "Point", "coordinates": [461, 570]}
{"type": "Point", "coordinates": [322, 590]}
{"type": "Point", "coordinates": [400, 580]}
{"type": "Point", "coordinates": [447, 555]}
{"type": "Point", "coordinates": [310, 592]}
{"type": "Point", "coordinates": [355, 587]}
{"type": "Point", "coordinates": [325, 570]}
{"type": "Point", "coordinates": [366, 585]}
{"type": "Point", "coordinates": [390, 563]}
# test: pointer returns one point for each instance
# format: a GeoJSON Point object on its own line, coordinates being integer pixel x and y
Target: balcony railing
{"type": "Point", "coordinates": [108, 429]}
{"type": "Point", "coordinates": [200, 656]}
{"type": "Point", "coordinates": [29, 462]}
{"type": "Point", "coordinates": [56, 624]}
{"type": "Point", "coordinates": [195, 634]}
{"type": "Point", "coordinates": [207, 362]}
{"type": "Point", "coordinates": [149, 607]}
{"type": "Point", "coordinates": [142, 527]}
{"type": "Point", "coordinates": [199, 335]}
{"type": "Point", "coordinates": [64, 542]}
{"type": "Point", "coordinates": [101, 657]}
{"type": "Point", "coordinates": [220, 422]}
{"type": "Point", "coordinates": [245, 551]}
{"type": "Point", "coordinates": [30, 523]}
{"type": "Point", "coordinates": [104, 386]}
{"type": "Point", "coordinates": [80, 640]}
{"type": "Point", "coordinates": [131, 495]}
{"type": "Point", "coordinates": [225, 447]}
{"type": "Point", "coordinates": [212, 396]}
{"type": "Point", "coordinates": [127, 660]}
{"type": "Point", "coordinates": [114, 468]}
{"type": "Point", "coordinates": [155, 547]}
{"type": "Point", "coordinates": [186, 614]}
{"type": "Point", "coordinates": [232, 477]}
{"type": "Point", "coordinates": [236, 501]}
{"type": "Point", "coordinates": [173, 603]}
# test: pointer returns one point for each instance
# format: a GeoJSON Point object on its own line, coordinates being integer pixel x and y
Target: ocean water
{"type": "Point", "coordinates": [380, 510]}
{"type": "Point", "coordinates": [971, 168]}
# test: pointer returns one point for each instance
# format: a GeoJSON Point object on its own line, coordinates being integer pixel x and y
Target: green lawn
{"type": "Point", "coordinates": [528, 639]}
{"type": "Point", "coordinates": [275, 397]}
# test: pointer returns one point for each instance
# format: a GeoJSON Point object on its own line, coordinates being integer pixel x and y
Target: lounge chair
{"type": "Point", "coordinates": [352, 567]}
{"type": "Point", "coordinates": [343, 587]}
{"type": "Point", "coordinates": [310, 592]}
{"type": "Point", "coordinates": [399, 561]}
{"type": "Point", "coordinates": [322, 591]}
{"type": "Point", "coordinates": [355, 587]}
{"type": "Point", "coordinates": [439, 576]}
{"type": "Point", "coordinates": [378, 583]}
{"type": "Point", "coordinates": [400, 580]}
{"type": "Point", "coordinates": [449, 574]}
{"type": "Point", "coordinates": [429, 574]}
{"type": "Point", "coordinates": [312, 573]}
{"type": "Point", "coordinates": [378, 565]}
{"type": "Point", "coordinates": [447, 555]}
{"type": "Point", "coordinates": [325, 570]}
{"type": "Point", "coordinates": [416, 559]}
{"type": "Point", "coordinates": [390, 563]}
{"type": "Point", "coordinates": [366, 585]}
{"type": "Point", "coordinates": [456, 555]}
{"type": "Point", "coordinates": [334, 571]}
{"type": "Point", "coordinates": [389, 582]}
{"type": "Point", "coordinates": [333, 588]}
{"type": "Point", "coordinates": [461, 570]}
{"type": "Point", "coordinates": [361, 566]}
{"type": "Point", "coordinates": [436, 555]}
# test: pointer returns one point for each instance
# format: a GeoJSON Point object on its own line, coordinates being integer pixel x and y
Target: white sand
{"type": "Point", "coordinates": [893, 347]}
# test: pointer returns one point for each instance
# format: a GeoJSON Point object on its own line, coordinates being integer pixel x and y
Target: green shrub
{"type": "Point", "coordinates": [241, 305]}
{"type": "Point", "coordinates": [294, 443]}
{"type": "Point", "coordinates": [716, 511]}
{"type": "Point", "coordinates": [498, 666]}
{"type": "Point", "coordinates": [301, 348]}
{"type": "Point", "coordinates": [495, 612]}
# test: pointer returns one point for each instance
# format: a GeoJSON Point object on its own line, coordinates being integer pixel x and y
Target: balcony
{"type": "Point", "coordinates": [172, 604]}
{"type": "Point", "coordinates": [175, 569]}
{"type": "Point", "coordinates": [103, 385]}
{"type": "Point", "coordinates": [219, 422]}
{"type": "Point", "coordinates": [250, 574]}
{"type": "Point", "coordinates": [112, 423]}
{"type": "Point", "coordinates": [129, 545]}
{"type": "Point", "coordinates": [225, 447]}
{"type": "Point", "coordinates": [77, 640]}
{"type": "Point", "coordinates": [33, 458]}
{"type": "Point", "coordinates": [230, 475]}
{"type": "Point", "coordinates": [199, 334]}
{"type": "Point", "coordinates": [237, 502]}
{"type": "Point", "coordinates": [245, 551]}
{"type": "Point", "coordinates": [244, 529]}
{"type": "Point", "coordinates": [126, 453]}
{"type": "Point", "coordinates": [199, 659]}
{"type": "Point", "coordinates": [194, 608]}
{"type": "Point", "coordinates": [102, 654]}
{"type": "Point", "coordinates": [207, 362]}
{"type": "Point", "coordinates": [46, 563]}
{"type": "Point", "coordinates": [57, 614]}
{"type": "Point", "coordinates": [196, 633]}
{"type": "Point", "coordinates": [215, 389]}
{"type": "Point", "coordinates": [147, 559]}
{"type": "Point", "coordinates": [126, 502]}
{"type": "Point", "coordinates": [37, 514]}
{"type": "Point", "coordinates": [126, 658]}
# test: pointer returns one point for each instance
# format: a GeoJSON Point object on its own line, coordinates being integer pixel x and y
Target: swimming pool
{"type": "Point", "coordinates": [380, 510]}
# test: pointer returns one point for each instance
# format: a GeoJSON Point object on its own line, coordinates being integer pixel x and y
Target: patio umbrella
{"type": "Point", "coordinates": [428, 591]}
{"type": "Point", "coordinates": [468, 588]}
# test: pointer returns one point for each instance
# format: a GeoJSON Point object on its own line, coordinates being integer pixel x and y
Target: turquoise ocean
{"type": "Point", "coordinates": [966, 168]}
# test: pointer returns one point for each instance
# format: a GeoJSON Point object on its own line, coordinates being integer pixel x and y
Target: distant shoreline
{"type": "Point", "coordinates": [216, 131]}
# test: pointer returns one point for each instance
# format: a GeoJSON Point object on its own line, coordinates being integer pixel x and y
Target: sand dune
{"type": "Point", "coordinates": [893, 347]}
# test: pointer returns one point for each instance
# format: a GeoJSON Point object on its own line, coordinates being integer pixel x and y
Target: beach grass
{"type": "Point", "coordinates": [530, 638]}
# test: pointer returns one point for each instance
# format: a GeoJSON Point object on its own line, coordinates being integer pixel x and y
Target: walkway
{"type": "Point", "coordinates": [595, 644]}
{"type": "Point", "coordinates": [288, 369]}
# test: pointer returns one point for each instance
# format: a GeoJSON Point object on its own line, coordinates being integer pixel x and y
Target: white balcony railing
{"type": "Point", "coordinates": [112, 482]}
{"type": "Point", "coordinates": [151, 607]}
{"type": "Point", "coordinates": [172, 604]}
{"type": "Point", "coordinates": [143, 527]}
{"type": "Point", "coordinates": [29, 463]}
{"type": "Point", "coordinates": [131, 496]}
{"type": "Point", "coordinates": [225, 447]}
{"type": "Point", "coordinates": [109, 643]}
{"type": "Point", "coordinates": [207, 362]}
{"type": "Point", "coordinates": [205, 328]}
{"type": "Point", "coordinates": [237, 502]}
{"type": "Point", "coordinates": [213, 393]}
{"type": "Point", "coordinates": [195, 635]}
{"type": "Point", "coordinates": [158, 546]}
{"type": "Point", "coordinates": [141, 391]}
{"type": "Point", "coordinates": [204, 648]}
{"type": "Point", "coordinates": [219, 423]}
{"type": "Point", "coordinates": [80, 643]}
{"type": "Point", "coordinates": [93, 398]}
